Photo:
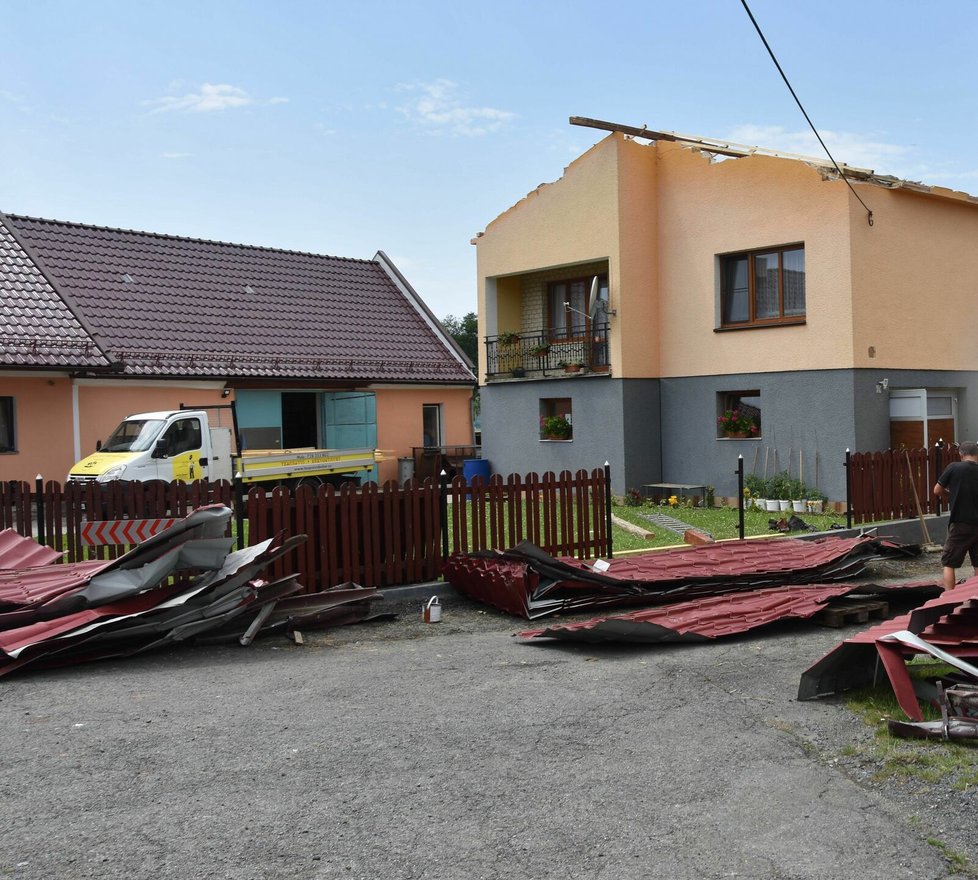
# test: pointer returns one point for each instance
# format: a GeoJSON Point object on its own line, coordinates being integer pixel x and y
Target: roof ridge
{"type": "Point", "coordinates": [186, 238]}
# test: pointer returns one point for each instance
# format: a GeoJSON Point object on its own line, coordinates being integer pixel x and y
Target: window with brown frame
{"type": "Point", "coordinates": [763, 287]}
{"type": "Point", "coordinates": [567, 306]}
{"type": "Point", "coordinates": [7, 436]}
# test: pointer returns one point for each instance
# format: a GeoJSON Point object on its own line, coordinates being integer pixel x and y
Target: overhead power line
{"type": "Point", "coordinates": [770, 52]}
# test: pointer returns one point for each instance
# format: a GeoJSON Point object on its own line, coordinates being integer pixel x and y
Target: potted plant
{"type": "Point", "coordinates": [814, 500]}
{"type": "Point", "coordinates": [735, 423]}
{"type": "Point", "coordinates": [798, 493]}
{"type": "Point", "coordinates": [509, 354]}
{"type": "Point", "coordinates": [571, 366]}
{"type": "Point", "coordinates": [555, 428]}
{"type": "Point", "coordinates": [540, 350]}
{"type": "Point", "coordinates": [755, 491]}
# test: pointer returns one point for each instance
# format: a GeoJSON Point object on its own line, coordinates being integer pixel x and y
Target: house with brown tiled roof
{"type": "Point", "coordinates": [315, 350]}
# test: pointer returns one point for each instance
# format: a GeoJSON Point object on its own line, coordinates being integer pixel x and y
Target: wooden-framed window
{"type": "Point", "coordinates": [8, 438]}
{"type": "Point", "coordinates": [567, 306]}
{"type": "Point", "coordinates": [763, 287]}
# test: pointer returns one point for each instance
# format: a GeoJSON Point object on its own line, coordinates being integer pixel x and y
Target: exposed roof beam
{"type": "Point", "coordinates": [712, 145]}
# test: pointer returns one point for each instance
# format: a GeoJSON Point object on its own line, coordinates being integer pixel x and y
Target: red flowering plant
{"type": "Point", "coordinates": [733, 421]}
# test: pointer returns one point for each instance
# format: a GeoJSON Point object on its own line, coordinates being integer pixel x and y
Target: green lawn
{"type": "Point", "coordinates": [720, 522]}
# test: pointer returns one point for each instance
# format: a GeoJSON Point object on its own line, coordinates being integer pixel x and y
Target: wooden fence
{"type": "Point", "coordinates": [378, 536]}
{"type": "Point", "coordinates": [890, 484]}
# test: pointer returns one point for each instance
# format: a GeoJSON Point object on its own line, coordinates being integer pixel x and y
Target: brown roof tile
{"type": "Point", "coordinates": [170, 306]}
{"type": "Point", "coordinates": [37, 329]}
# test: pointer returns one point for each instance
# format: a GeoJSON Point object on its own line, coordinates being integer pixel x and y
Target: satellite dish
{"type": "Point", "coordinates": [592, 302]}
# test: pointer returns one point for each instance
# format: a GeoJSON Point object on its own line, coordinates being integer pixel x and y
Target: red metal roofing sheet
{"type": "Point", "coordinates": [736, 558]}
{"type": "Point", "coordinates": [16, 551]}
{"type": "Point", "coordinates": [28, 587]}
{"type": "Point", "coordinates": [709, 618]}
{"type": "Point", "coordinates": [700, 619]}
{"type": "Point", "coordinates": [527, 582]}
{"type": "Point", "coordinates": [949, 621]}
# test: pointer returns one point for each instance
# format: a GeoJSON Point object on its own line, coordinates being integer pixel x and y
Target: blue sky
{"type": "Point", "coordinates": [344, 128]}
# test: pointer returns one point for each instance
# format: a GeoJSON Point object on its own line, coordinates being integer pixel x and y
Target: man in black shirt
{"type": "Point", "coordinates": [959, 482]}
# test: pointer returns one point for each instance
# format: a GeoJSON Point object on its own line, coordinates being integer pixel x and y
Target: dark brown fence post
{"type": "Point", "coordinates": [607, 508]}
{"type": "Point", "coordinates": [848, 489]}
{"type": "Point", "coordinates": [740, 496]}
{"type": "Point", "coordinates": [39, 500]}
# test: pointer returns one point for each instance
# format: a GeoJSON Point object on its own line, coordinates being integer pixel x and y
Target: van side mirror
{"type": "Point", "coordinates": [162, 448]}
{"type": "Point", "coordinates": [98, 445]}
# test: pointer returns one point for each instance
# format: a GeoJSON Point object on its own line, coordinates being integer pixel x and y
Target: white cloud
{"type": "Point", "coordinates": [848, 148]}
{"type": "Point", "coordinates": [439, 106]}
{"type": "Point", "coordinates": [861, 151]}
{"type": "Point", "coordinates": [209, 98]}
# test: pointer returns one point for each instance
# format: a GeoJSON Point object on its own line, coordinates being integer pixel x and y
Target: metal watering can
{"type": "Point", "coordinates": [431, 613]}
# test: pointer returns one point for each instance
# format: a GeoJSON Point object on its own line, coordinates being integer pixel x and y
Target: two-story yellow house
{"type": "Point", "coordinates": [690, 278]}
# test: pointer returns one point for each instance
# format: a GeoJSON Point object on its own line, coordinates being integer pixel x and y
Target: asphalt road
{"type": "Point", "coordinates": [446, 750]}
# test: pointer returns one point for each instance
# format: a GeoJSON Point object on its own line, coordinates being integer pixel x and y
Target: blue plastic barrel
{"type": "Point", "coordinates": [475, 467]}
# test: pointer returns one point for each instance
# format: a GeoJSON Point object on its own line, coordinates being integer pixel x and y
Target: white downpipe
{"type": "Point", "coordinates": [75, 420]}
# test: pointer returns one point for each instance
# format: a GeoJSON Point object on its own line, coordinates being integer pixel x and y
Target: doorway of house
{"type": "Point", "coordinates": [919, 417]}
{"type": "Point", "coordinates": [300, 419]}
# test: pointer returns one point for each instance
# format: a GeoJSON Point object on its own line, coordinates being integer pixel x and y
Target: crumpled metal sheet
{"type": "Point", "coordinates": [16, 551]}
{"type": "Point", "coordinates": [178, 585]}
{"type": "Point", "coordinates": [704, 619]}
{"type": "Point", "coordinates": [948, 622]}
{"type": "Point", "coordinates": [527, 582]}
{"type": "Point", "coordinates": [32, 587]}
{"type": "Point", "coordinates": [953, 728]}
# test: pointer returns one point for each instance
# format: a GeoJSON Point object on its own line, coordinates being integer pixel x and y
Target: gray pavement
{"type": "Point", "coordinates": [444, 751]}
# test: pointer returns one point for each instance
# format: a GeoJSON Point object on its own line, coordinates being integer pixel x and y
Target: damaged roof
{"type": "Point", "coordinates": [167, 306]}
{"type": "Point", "coordinates": [720, 147]}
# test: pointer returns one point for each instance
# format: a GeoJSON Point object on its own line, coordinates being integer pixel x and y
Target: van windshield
{"type": "Point", "coordinates": [134, 435]}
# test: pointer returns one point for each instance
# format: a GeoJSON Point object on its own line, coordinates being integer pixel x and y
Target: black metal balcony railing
{"type": "Point", "coordinates": [543, 351]}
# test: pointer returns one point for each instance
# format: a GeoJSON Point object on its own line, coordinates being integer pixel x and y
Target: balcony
{"type": "Point", "coordinates": [545, 353]}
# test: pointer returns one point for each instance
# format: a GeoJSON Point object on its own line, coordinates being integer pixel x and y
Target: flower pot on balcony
{"type": "Point", "coordinates": [518, 372]}
{"type": "Point", "coordinates": [736, 435]}
{"type": "Point", "coordinates": [572, 368]}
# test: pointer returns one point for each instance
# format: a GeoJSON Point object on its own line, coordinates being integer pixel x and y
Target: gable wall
{"type": "Point", "coordinates": [915, 282]}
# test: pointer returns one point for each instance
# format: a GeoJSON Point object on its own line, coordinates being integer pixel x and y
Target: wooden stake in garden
{"type": "Point", "coordinates": [753, 467]}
